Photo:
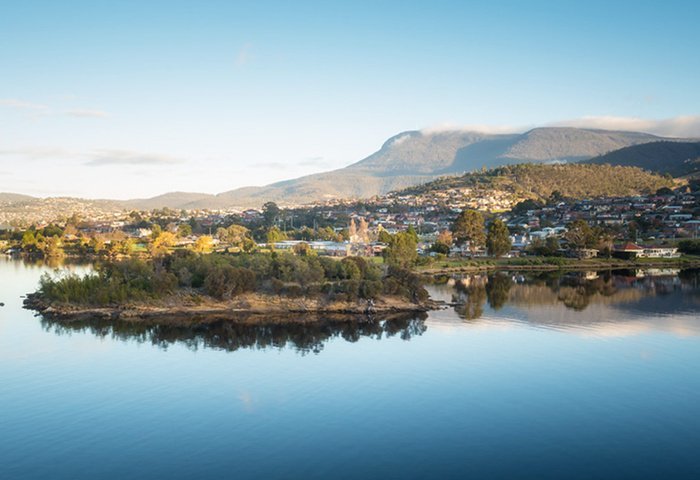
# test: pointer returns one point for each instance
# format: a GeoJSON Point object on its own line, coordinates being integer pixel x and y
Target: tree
{"type": "Point", "coordinates": [363, 231]}
{"type": "Point", "coordinates": [443, 243]}
{"type": "Point", "coordinates": [162, 242]}
{"type": "Point", "coordinates": [303, 249]}
{"type": "Point", "coordinates": [52, 247]}
{"type": "Point", "coordinates": [28, 240]}
{"type": "Point", "coordinates": [270, 213]}
{"type": "Point", "coordinates": [204, 244]}
{"type": "Point", "coordinates": [580, 235]}
{"type": "Point", "coordinates": [236, 235]}
{"type": "Point", "coordinates": [498, 239]}
{"type": "Point", "coordinates": [156, 230]}
{"type": "Point", "coordinates": [275, 235]}
{"type": "Point", "coordinates": [469, 227]}
{"type": "Point", "coordinates": [402, 251]}
{"type": "Point", "coordinates": [412, 232]}
{"type": "Point", "coordinates": [352, 231]}
{"type": "Point", "coordinates": [184, 230]}
{"type": "Point", "coordinates": [384, 236]}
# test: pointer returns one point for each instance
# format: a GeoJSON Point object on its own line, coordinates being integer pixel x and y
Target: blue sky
{"type": "Point", "coordinates": [136, 98]}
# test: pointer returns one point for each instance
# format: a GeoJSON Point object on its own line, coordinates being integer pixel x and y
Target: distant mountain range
{"type": "Point", "coordinates": [679, 159]}
{"type": "Point", "coordinates": [415, 157]}
{"type": "Point", "coordinates": [15, 197]}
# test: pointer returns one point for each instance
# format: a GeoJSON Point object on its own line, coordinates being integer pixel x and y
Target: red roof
{"type": "Point", "coordinates": [629, 247]}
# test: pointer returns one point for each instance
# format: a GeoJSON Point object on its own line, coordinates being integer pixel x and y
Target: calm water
{"type": "Point", "coordinates": [552, 377]}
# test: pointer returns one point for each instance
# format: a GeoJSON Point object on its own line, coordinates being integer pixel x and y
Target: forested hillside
{"type": "Point", "coordinates": [540, 181]}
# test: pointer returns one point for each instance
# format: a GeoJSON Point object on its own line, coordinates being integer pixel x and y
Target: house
{"type": "Point", "coordinates": [660, 252]}
{"type": "Point", "coordinates": [628, 250]}
{"type": "Point", "coordinates": [583, 253]}
{"type": "Point", "coordinates": [632, 250]}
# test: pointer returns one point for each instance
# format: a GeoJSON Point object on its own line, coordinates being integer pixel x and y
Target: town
{"type": "Point", "coordinates": [663, 224]}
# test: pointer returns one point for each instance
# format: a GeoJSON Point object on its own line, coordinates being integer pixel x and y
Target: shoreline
{"type": "Point", "coordinates": [250, 308]}
{"type": "Point", "coordinates": [580, 265]}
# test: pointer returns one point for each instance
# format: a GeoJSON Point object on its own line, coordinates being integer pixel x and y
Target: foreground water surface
{"type": "Point", "coordinates": [585, 375]}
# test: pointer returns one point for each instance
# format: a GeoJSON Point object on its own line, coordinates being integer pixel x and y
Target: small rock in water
{"type": "Point", "coordinates": [2, 304]}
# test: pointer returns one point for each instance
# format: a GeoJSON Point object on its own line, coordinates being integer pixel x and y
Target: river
{"type": "Point", "coordinates": [579, 375]}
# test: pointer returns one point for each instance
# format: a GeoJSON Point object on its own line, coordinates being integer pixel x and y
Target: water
{"type": "Point", "coordinates": [566, 378]}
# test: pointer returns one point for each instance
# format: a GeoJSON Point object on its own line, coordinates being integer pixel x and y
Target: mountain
{"type": "Point", "coordinates": [14, 198]}
{"type": "Point", "coordinates": [412, 158]}
{"type": "Point", "coordinates": [539, 181]}
{"type": "Point", "coordinates": [676, 158]}
{"type": "Point", "coordinates": [415, 157]}
{"type": "Point", "coordinates": [176, 200]}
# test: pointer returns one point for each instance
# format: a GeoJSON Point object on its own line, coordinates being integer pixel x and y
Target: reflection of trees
{"type": "Point", "coordinates": [576, 290]}
{"type": "Point", "coordinates": [470, 296]}
{"type": "Point", "coordinates": [497, 289]}
{"type": "Point", "coordinates": [305, 336]}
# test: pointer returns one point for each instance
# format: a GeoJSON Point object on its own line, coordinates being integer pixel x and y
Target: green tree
{"type": "Point", "coordinates": [270, 213]}
{"type": "Point", "coordinates": [498, 239]}
{"type": "Point", "coordinates": [275, 235]}
{"type": "Point", "coordinates": [28, 240]}
{"type": "Point", "coordinates": [384, 236]}
{"type": "Point", "coordinates": [402, 250]}
{"type": "Point", "coordinates": [580, 235]}
{"type": "Point", "coordinates": [469, 227]}
{"type": "Point", "coordinates": [184, 230]}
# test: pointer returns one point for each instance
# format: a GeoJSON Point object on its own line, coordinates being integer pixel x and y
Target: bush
{"type": "Point", "coordinates": [689, 247]}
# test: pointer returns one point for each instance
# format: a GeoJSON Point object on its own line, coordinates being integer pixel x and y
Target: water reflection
{"type": "Point", "coordinates": [652, 292]}
{"type": "Point", "coordinates": [305, 337]}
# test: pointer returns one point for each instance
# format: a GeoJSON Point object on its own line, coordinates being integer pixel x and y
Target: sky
{"type": "Point", "coordinates": [131, 99]}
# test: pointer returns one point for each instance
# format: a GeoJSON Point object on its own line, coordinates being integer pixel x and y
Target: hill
{"type": "Point", "coordinates": [415, 157]}
{"type": "Point", "coordinates": [540, 181]}
{"type": "Point", "coordinates": [14, 198]}
{"type": "Point", "coordinates": [404, 160]}
{"type": "Point", "coordinates": [675, 158]}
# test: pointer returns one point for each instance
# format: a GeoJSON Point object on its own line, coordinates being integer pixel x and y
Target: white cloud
{"type": "Point", "coordinates": [38, 153]}
{"type": "Point", "coordinates": [311, 162]}
{"type": "Point", "coordinates": [22, 105]}
{"type": "Point", "coordinates": [399, 140]}
{"type": "Point", "coordinates": [681, 126]}
{"type": "Point", "coordinates": [38, 109]}
{"type": "Point", "coordinates": [99, 158]}
{"type": "Point", "coordinates": [481, 128]}
{"type": "Point", "coordinates": [94, 158]}
{"type": "Point", "coordinates": [81, 113]}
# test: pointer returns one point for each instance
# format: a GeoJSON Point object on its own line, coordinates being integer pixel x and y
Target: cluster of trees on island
{"type": "Point", "coordinates": [224, 277]}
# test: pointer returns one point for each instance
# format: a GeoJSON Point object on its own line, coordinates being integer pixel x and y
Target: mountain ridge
{"type": "Point", "coordinates": [411, 158]}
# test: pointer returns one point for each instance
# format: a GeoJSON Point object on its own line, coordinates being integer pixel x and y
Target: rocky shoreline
{"type": "Point", "coordinates": [250, 308]}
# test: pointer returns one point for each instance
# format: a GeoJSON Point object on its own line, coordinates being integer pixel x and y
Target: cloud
{"type": "Point", "coordinates": [481, 128]}
{"type": "Point", "coordinates": [22, 105]}
{"type": "Point", "coordinates": [681, 126]}
{"type": "Point", "coordinates": [38, 153]}
{"type": "Point", "coordinates": [271, 165]}
{"type": "Point", "coordinates": [80, 113]}
{"type": "Point", "coordinates": [304, 162]}
{"type": "Point", "coordinates": [100, 158]}
{"type": "Point", "coordinates": [312, 162]}
{"type": "Point", "coordinates": [38, 109]}
{"type": "Point", "coordinates": [399, 140]}
{"type": "Point", "coordinates": [94, 158]}
{"type": "Point", "coordinates": [244, 55]}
